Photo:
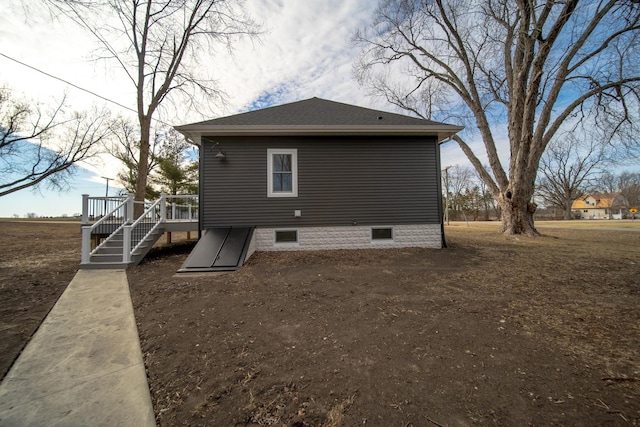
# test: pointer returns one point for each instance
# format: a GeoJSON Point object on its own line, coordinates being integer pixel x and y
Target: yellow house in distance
{"type": "Point", "coordinates": [600, 206]}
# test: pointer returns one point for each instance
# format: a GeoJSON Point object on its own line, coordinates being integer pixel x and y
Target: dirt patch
{"type": "Point", "coordinates": [39, 259]}
{"type": "Point", "coordinates": [493, 330]}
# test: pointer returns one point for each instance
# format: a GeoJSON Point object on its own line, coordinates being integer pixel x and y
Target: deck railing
{"type": "Point", "coordinates": [115, 214]}
{"type": "Point", "coordinates": [146, 224]}
{"type": "Point", "coordinates": [97, 208]}
{"type": "Point", "coordinates": [182, 207]}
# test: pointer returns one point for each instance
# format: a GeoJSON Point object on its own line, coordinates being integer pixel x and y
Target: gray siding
{"type": "Point", "coordinates": [341, 181]}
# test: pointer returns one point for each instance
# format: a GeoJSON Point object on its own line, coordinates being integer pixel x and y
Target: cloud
{"type": "Point", "coordinates": [306, 51]}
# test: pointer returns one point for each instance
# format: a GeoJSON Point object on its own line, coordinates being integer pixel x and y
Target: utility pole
{"type": "Point", "coordinates": [106, 194]}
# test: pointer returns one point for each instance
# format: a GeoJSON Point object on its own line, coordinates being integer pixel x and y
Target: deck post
{"type": "Point", "coordinates": [126, 244]}
{"type": "Point", "coordinates": [129, 209]}
{"type": "Point", "coordinates": [85, 209]}
{"type": "Point", "coordinates": [86, 243]}
{"type": "Point", "coordinates": [163, 207]}
{"type": "Point", "coordinates": [163, 213]}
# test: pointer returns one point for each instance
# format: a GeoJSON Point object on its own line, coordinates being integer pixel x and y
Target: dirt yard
{"type": "Point", "coordinates": [492, 331]}
{"type": "Point", "coordinates": [38, 261]}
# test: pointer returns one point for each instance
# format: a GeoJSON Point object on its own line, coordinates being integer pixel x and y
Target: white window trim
{"type": "Point", "coordinates": [391, 240]}
{"type": "Point", "coordinates": [294, 172]}
{"type": "Point", "coordinates": [276, 243]}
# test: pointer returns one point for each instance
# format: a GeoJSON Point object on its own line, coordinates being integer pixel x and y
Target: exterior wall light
{"type": "Point", "coordinates": [220, 154]}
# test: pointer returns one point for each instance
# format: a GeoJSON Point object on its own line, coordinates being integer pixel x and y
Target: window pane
{"type": "Point", "coordinates": [381, 233]}
{"type": "Point", "coordinates": [282, 182]}
{"type": "Point", "coordinates": [288, 236]}
{"type": "Point", "coordinates": [282, 162]}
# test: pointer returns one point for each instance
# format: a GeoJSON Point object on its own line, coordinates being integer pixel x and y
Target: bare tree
{"type": "Point", "coordinates": [460, 178]}
{"type": "Point", "coordinates": [457, 183]}
{"type": "Point", "coordinates": [626, 183]}
{"type": "Point", "coordinates": [39, 146]}
{"type": "Point", "coordinates": [629, 186]}
{"type": "Point", "coordinates": [486, 198]}
{"type": "Point", "coordinates": [569, 166]}
{"type": "Point", "coordinates": [536, 65]}
{"type": "Point", "coordinates": [607, 182]}
{"type": "Point", "coordinates": [158, 43]}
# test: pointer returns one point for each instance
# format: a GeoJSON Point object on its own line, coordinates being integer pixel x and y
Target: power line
{"type": "Point", "coordinates": [76, 86]}
{"type": "Point", "coordinates": [68, 82]}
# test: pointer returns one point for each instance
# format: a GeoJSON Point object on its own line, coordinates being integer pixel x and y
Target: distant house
{"type": "Point", "coordinates": [600, 206]}
{"type": "Point", "coordinates": [316, 174]}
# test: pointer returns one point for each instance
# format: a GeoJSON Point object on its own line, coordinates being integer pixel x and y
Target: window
{"type": "Point", "coordinates": [382, 233]}
{"type": "Point", "coordinates": [282, 173]}
{"type": "Point", "coordinates": [286, 236]}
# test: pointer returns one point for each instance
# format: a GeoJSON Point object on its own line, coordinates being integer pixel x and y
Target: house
{"type": "Point", "coordinates": [600, 206]}
{"type": "Point", "coordinates": [316, 174]}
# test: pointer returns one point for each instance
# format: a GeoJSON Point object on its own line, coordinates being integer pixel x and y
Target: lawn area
{"type": "Point", "coordinates": [592, 224]}
{"type": "Point", "coordinates": [573, 224]}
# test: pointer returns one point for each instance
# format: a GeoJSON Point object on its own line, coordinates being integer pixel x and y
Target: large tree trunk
{"type": "Point", "coordinates": [143, 167]}
{"type": "Point", "coordinates": [517, 215]}
{"type": "Point", "coordinates": [567, 208]}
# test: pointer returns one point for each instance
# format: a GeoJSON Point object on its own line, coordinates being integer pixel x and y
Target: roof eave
{"type": "Point", "coordinates": [441, 131]}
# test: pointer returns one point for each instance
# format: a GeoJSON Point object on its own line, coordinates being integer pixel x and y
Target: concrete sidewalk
{"type": "Point", "coordinates": [83, 367]}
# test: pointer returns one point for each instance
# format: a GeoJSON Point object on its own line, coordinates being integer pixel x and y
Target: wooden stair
{"type": "Point", "coordinates": [109, 254]}
{"type": "Point", "coordinates": [108, 225]}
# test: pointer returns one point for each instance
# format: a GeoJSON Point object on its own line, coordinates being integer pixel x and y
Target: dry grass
{"type": "Point", "coordinates": [581, 224]}
{"type": "Point", "coordinates": [586, 224]}
{"type": "Point", "coordinates": [336, 413]}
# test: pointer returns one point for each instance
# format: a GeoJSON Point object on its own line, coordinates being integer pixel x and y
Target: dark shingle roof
{"type": "Point", "coordinates": [315, 111]}
{"type": "Point", "coordinates": [318, 116]}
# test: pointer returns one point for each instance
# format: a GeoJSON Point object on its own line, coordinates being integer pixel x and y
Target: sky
{"type": "Point", "coordinates": [305, 51]}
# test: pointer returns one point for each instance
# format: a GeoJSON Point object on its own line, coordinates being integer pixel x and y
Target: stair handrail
{"type": "Point", "coordinates": [107, 216]}
{"type": "Point", "coordinates": [127, 248]}
{"type": "Point", "coordinates": [87, 230]}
